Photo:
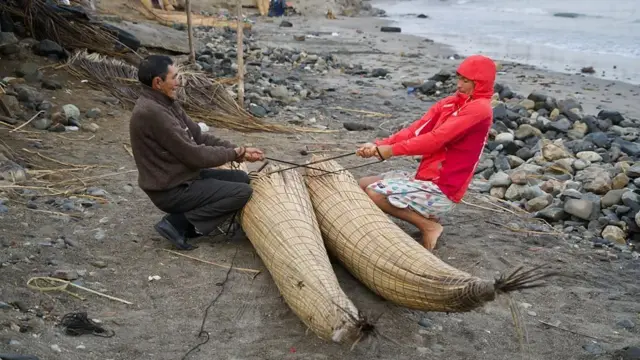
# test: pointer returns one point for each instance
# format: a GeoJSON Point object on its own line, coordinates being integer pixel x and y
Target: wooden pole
{"type": "Point", "coordinates": [192, 51]}
{"type": "Point", "coordinates": [240, 51]}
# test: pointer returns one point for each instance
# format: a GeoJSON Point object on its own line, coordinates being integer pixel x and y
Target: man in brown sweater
{"type": "Point", "coordinates": [175, 160]}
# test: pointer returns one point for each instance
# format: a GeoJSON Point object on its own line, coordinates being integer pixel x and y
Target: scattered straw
{"type": "Point", "coordinates": [367, 113]}
{"type": "Point", "coordinates": [29, 121]}
{"type": "Point", "coordinates": [128, 149]}
{"type": "Point", "coordinates": [56, 213]}
{"type": "Point", "coordinates": [252, 271]}
{"type": "Point", "coordinates": [202, 97]}
{"type": "Point", "coordinates": [47, 284]}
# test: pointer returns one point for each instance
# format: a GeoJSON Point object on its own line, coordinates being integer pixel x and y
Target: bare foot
{"type": "Point", "coordinates": [430, 236]}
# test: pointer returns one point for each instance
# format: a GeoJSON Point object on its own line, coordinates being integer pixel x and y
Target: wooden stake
{"type": "Point", "coordinates": [240, 51]}
{"type": "Point", "coordinates": [192, 51]}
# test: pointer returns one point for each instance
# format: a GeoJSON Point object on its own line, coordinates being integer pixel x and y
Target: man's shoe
{"type": "Point", "coordinates": [169, 232]}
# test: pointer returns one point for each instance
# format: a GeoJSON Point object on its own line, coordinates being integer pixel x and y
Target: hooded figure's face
{"type": "Point", "coordinates": [478, 75]}
{"type": "Point", "coordinates": [465, 86]}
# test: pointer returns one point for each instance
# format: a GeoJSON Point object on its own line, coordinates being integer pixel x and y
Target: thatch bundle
{"type": "Point", "coordinates": [280, 223]}
{"type": "Point", "coordinates": [202, 97]}
{"type": "Point", "coordinates": [387, 260]}
{"type": "Point", "coordinates": [67, 26]}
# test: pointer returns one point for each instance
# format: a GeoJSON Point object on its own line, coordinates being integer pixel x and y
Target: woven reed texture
{"type": "Point", "coordinates": [380, 254]}
{"type": "Point", "coordinates": [280, 223]}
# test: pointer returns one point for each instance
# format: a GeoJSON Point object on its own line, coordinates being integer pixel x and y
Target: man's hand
{"type": "Point", "coordinates": [366, 151]}
{"type": "Point", "coordinates": [253, 155]}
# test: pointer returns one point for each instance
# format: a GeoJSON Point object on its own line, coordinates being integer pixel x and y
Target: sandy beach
{"type": "Point", "coordinates": [591, 312]}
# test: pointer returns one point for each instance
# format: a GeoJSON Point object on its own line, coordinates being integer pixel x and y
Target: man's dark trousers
{"type": "Point", "coordinates": [205, 202]}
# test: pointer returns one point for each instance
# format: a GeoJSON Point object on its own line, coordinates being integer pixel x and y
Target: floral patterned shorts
{"type": "Point", "coordinates": [404, 191]}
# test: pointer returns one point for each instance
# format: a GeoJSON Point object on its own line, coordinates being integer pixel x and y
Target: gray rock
{"type": "Point", "coordinates": [626, 324]}
{"type": "Point", "coordinates": [581, 208]}
{"type": "Point", "coordinates": [504, 138]}
{"type": "Point", "coordinates": [279, 92]}
{"type": "Point", "coordinates": [515, 192]}
{"type": "Point", "coordinates": [7, 38]}
{"type": "Point", "coordinates": [68, 275]}
{"type": "Point", "coordinates": [613, 197]}
{"type": "Point", "coordinates": [580, 164]}
{"type": "Point", "coordinates": [41, 123]}
{"type": "Point", "coordinates": [538, 203]}
{"type": "Point", "coordinates": [532, 192]}
{"type": "Point", "coordinates": [631, 199]}
{"type": "Point", "coordinates": [94, 113]}
{"type": "Point", "coordinates": [28, 94]}
{"type": "Point", "coordinates": [634, 171]}
{"type": "Point", "coordinates": [571, 193]}
{"type": "Point", "coordinates": [590, 156]}
{"type": "Point", "coordinates": [595, 179]}
{"type": "Point", "coordinates": [525, 131]}
{"type": "Point", "coordinates": [257, 110]}
{"type": "Point", "coordinates": [500, 179]}
{"type": "Point", "coordinates": [525, 154]}
{"type": "Point", "coordinates": [552, 214]}
{"type": "Point", "coordinates": [561, 125]}
{"type": "Point", "coordinates": [629, 148]}
{"type": "Point", "coordinates": [51, 84]}
{"type": "Point", "coordinates": [29, 71]}
{"type": "Point", "coordinates": [71, 112]}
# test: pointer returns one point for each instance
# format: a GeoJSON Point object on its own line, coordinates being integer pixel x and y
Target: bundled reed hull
{"type": "Point", "coordinates": [280, 223]}
{"type": "Point", "coordinates": [381, 255]}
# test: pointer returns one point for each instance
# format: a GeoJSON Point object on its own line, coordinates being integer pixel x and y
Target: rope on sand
{"type": "Point", "coordinates": [49, 286]}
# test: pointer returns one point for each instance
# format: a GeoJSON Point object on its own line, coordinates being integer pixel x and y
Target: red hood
{"type": "Point", "coordinates": [482, 71]}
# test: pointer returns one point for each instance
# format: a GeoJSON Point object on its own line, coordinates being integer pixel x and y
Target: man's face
{"type": "Point", "coordinates": [169, 85]}
{"type": "Point", "coordinates": [465, 86]}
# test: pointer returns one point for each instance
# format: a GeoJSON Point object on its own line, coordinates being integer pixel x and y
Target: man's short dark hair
{"type": "Point", "coordinates": [154, 66]}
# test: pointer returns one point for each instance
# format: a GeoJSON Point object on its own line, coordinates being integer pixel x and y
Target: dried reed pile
{"type": "Point", "coordinates": [387, 260]}
{"type": "Point", "coordinates": [70, 28]}
{"type": "Point", "coordinates": [280, 223]}
{"type": "Point", "coordinates": [202, 97]}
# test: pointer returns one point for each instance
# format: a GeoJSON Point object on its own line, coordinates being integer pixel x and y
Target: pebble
{"type": "Point", "coordinates": [56, 348]}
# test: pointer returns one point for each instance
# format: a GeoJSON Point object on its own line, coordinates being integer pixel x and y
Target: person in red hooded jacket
{"type": "Point", "coordinates": [450, 138]}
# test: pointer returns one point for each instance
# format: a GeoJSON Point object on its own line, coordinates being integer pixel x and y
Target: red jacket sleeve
{"type": "Point", "coordinates": [447, 131]}
{"type": "Point", "coordinates": [410, 131]}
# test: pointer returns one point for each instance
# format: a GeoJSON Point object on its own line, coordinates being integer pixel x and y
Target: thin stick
{"type": "Point", "coordinates": [253, 271]}
{"type": "Point", "coordinates": [64, 286]}
{"type": "Point", "coordinates": [127, 149]}
{"type": "Point", "coordinates": [569, 331]}
{"type": "Point", "coordinates": [56, 213]}
{"type": "Point", "coordinates": [97, 177]}
{"type": "Point", "coordinates": [30, 120]}
{"type": "Point", "coordinates": [370, 113]}
{"type": "Point", "coordinates": [60, 162]}
{"type": "Point", "coordinates": [240, 51]}
{"type": "Point", "coordinates": [478, 206]}
{"type": "Point", "coordinates": [192, 50]}
{"type": "Point", "coordinates": [521, 230]}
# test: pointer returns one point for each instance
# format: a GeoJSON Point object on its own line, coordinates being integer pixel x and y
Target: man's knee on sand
{"type": "Point", "coordinates": [242, 194]}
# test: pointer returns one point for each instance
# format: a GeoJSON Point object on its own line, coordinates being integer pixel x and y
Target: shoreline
{"type": "Point", "coordinates": [411, 57]}
{"type": "Point", "coordinates": [542, 55]}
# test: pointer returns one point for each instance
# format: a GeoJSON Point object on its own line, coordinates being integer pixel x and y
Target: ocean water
{"type": "Point", "coordinates": [603, 34]}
